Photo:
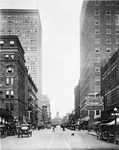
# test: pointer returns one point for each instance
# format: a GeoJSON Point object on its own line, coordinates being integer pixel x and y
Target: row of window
{"type": "Point", "coordinates": [9, 106]}
{"type": "Point", "coordinates": [108, 2]}
{"type": "Point", "coordinates": [9, 56]}
{"type": "Point", "coordinates": [108, 21]}
{"type": "Point", "coordinates": [108, 40]}
{"type": "Point", "coordinates": [2, 42]}
{"type": "Point", "coordinates": [108, 31]}
{"type": "Point", "coordinates": [108, 12]}
{"type": "Point", "coordinates": [97, 49]}
{"type": "Point", "coordinates": [9, 94]}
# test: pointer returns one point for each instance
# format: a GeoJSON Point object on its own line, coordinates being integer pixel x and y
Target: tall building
{"type": "Point", "coordinates": [25, 23]}
{"type": "Point", "coordinates": [99, 39]}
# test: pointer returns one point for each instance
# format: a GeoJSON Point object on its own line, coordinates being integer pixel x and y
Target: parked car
{"type": "Point", "coordinates": [116, 137]}
{"type": "Point", "coordinates": [3, 131]}
{"type": "Point", "coordinates": [108, 132]}
{"type": "Point", "coordinates": [24, 130]}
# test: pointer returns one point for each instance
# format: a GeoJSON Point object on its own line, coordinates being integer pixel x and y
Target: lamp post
{"type": "Point", "coordinates": [115, 113]}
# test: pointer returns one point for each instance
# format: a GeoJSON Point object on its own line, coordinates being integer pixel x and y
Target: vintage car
{"type": "Point", "coordinates": [116, 137]}
{"type": "Point", "coordinates": [3, 131]}
{"type": "Point", "coordinates": [108, 132]}
{"type": "Point", "coordinates": [24, 130]}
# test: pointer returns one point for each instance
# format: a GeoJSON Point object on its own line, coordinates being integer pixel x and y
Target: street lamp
{"type": "Point", "coordinates": [115, 114]}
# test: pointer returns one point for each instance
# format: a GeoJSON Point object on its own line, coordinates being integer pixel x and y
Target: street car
{"type": "Point", "coordinates": [24, 130]}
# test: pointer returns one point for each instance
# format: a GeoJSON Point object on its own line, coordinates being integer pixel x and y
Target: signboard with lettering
{"type": "Point", "coordinates": [96, 107]}
{"type": "Point", "coordinates": [94, 100]}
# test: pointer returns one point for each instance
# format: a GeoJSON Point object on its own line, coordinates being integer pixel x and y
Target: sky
{"type": "Point", "coordinates": [60, 21]}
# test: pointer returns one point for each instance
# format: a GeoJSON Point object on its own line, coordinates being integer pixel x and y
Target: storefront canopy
{"type": "Point", "coordinates": [113, 122]}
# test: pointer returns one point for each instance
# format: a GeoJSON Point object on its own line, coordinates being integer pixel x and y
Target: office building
{"type": "Point", "coordinates": [99, 39]}
{"type": "Point", "coordinates": [25, 23]}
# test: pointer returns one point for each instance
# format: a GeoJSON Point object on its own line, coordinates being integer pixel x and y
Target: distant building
{"type": "Point", "coordinates": [46, 112]}
{"type": "Point", "coordinates": [26, 24]}
{"type": "Point", "coordinates": [99, 39]}
{"type": "Point", "coordinates": [110, 86]}
{"type": "Point", "coordinates": [57, 119]}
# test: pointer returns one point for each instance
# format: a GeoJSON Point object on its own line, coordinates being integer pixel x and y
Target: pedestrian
{"type": "Point", "coordinates": [53, 129]}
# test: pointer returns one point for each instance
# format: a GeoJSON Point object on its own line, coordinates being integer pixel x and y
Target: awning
{"type": "Point", "coordinates": [85, 119]}
{"type": "Point", "coordinates": [113, 122]}
{"type": "Point", "coordinates": [5, 113]}
{"type": "Point", "coordinates": [97, 122]}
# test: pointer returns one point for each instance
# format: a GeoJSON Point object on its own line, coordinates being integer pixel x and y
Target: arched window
{"type": "Point", "coordinates": [10, 69]}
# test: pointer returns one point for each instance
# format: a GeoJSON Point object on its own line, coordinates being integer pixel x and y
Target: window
{"type": "Point", "coordinates": [117, 40]}
{"type": "Point", "coordinates": [97, 40]}
{"type": "Point", "coordinates": [7, 106]}
{"type": "Point", "coordinates": [11, 106]}
{"type": "Point", "coordinates": [108, 31]}
{"type": "Point", "coordinates": [12, 56]}
{"type": "Point", "coordinates": [6, 56]}
{"type": "Point", "coordinates": [1, 42]}
{"type": "Point", "coordinates": [108, 21]}
{"type": "Point", "coordinates": [97, 21]}
{"type": "Point", "coordinates": [97, 88]}
{"type": "Point", "coordinates": [11, 43]}
{"type": "Point", "coordinates": [97, 12]}
{"type": "Point", "coordinates": [117, 21]}
{"type": "Point", "coordinates": [108, 2]}
{"type": "Point", "coordinates": [12, 81]}
{"type": "Point", "coordinates": [11, 94]}
{"type": "Point", "coordinates": [97, 78]}
{"type": "Point", "coordinates": [97, 69]}
{"type": "Point", "coordinates": [97, 2]}
{"type": "Point", "coordinates": [97, 49]}
{"type": "Point", "coordinates": [108, 49]}
{"type": "Point", "coordinates": [117, 12]}
{"type": "Point", "coordinates": [108, 40]}
{"type": "Point", "coordinates": [97, 112]}
{"type": "Point", "coordinates": [117, 3]}
{"type": "Point", "coordinates": [108, 12]}
{"type": "Point", "coordinates": [117, 31]}
{"type": "Point", "coordinates": [97, 59]}
{"type": "Point", "coordinates": [7, 94]}
{"type": "Point", "coordinates": [7, 81]}
{"type": "Point", "coordinates": [10, 69]}
{"type": "Point", "coordinates": [97, 31]}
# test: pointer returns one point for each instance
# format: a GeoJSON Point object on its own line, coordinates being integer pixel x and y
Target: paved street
{"type": "Point", "coordinates": [58, 140]}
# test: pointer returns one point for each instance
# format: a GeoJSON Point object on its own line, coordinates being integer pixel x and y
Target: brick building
{"type": "Point", "coordinates": [13, 74]}
{"type": "Point", "coordinates": [110, 86]}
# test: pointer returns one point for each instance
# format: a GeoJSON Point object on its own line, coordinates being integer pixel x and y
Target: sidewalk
{"type": "Point", "coordinates": [91, 133]}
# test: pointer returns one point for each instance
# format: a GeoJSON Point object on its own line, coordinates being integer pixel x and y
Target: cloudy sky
{"type": "Point", "coordinates": [60, 48]}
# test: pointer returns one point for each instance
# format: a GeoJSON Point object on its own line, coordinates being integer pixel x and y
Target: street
{"type": "Point", "coordinates": [59, 140]}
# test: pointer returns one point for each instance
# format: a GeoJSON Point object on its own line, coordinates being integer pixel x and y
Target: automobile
{"type": "Point", "coordinates": [102, 131]}
{"type": "Point", "coordinates": [3, 131]}
{"type": "Point", "coordinates": [116, 137]}
{"type": "Point", "coordinates": [24, 130]}
{"type": "Point", "coordinates": [108, 132]}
